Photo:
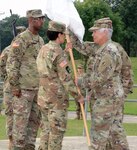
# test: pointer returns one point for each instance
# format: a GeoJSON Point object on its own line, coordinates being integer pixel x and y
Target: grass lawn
{"type": "Point", "coordinates": [74, 128]}
{"type": "Point", "coordinates": [134, 66]}
{"type": "Point", "coordinates": [130, 107]}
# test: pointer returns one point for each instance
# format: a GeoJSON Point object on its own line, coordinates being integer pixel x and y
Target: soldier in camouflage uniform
{"type": "Point", "coordinates": [55, 81]}
{"type": "Point", "coordinates": [80, 72]}
{"type": "Point", "coordinates": [107, 83]}
{"type": "Point", "coordinates": [24, 81]}
{"type": "Point", "coordinates": [7, 96]}
{"type": "Point", "coordinates": [127, 82]}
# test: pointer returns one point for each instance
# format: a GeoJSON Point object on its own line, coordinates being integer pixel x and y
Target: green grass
{"type": "Point", "coordinates": [134, 66]}
{"type": "Point", "coordinates": [2, 128]}
{"type": "Point", "coordinates": [74, 128]}
{"type": "Point", "coordinates": [130, 108]}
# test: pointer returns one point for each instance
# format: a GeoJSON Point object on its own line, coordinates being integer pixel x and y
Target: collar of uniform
{"type": "Point", "coordinates": [54, 44]}
{"type": "Point", "coordinates": [34, 37]}
{"type": "Point", "coordinates": [102, 47]}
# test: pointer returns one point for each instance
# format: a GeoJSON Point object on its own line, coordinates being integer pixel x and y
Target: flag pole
{"type": "Point", "coordinates": [79, 92]}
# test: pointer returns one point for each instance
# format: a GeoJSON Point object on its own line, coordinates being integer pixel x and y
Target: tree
{"type": "Point", "coordinates": [114, 4]}
{"type": "Point", "coordinates": [128, 14]}
{"type": "Point", "coordinates": [93, 10]}
{"type": "Point", "coordinates": [6, 35]}
{"type": "Point", "coordinates": [6, 29]}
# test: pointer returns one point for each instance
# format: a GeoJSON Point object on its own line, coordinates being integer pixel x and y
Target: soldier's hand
{"type": "Point", "coordinates": [81, 99]}
{"type": "Point", "coordinates": [16, 92]}
{"type": "Point", "coordinates": [68, 46]}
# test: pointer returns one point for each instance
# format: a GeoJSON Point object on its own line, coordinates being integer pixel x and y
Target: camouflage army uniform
{"type": "Point", "coordinates": [80, 72]}
{"type": "Point", "coordinates": [127, 82]}
{"type": "Point", "coordinates": [7, 94]}
{"type": "Point", "coordinates": [106, 82]}
{"type": "Point", "coordinates": [55, 78]}
{"type": "Point", "coordinates": [23, 75]}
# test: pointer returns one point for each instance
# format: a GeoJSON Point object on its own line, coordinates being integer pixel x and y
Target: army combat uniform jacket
{"type": "Point", "coordinates": [21, 64]}
{"type": "Point", "coordinates": [55, 75]}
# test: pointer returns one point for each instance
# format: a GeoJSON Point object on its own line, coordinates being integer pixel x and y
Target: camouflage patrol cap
{"type": "Point", "coordinates": [56, 26]}
{"type": "Point", "coordinates": [102, 23]}
{"type": "Point", "coordinates": [35, 13]}
{"type": "Point", "coordinates": [80, 66]}
{"type": "Point", "coordinates": [20, 29]}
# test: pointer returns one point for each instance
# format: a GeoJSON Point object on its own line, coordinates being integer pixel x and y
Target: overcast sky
{"type": "Point", "coordinates": [19, 7]}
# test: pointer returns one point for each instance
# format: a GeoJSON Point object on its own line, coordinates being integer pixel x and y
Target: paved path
{"type": "Point", "coordinates": [127, 118]}
{"type": "Point", "coordinates": [76, 143]}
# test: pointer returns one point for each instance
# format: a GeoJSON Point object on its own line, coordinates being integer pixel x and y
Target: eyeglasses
{"type": "Point", "coordinates": [40, 19]}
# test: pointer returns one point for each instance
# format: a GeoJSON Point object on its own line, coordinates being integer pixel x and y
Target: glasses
{"type": "Point", "coordinates": [40, 19]}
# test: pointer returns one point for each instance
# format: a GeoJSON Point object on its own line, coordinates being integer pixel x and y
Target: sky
{"type": "Point", "coordinates": [19, 7]}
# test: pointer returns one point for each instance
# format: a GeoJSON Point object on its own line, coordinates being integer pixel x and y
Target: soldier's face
{"type": "Point", "coordinates": [61, 38]}
{"type": "Point", "coordinates": [38, 22]}
{"type": "Point", "coordinates": [98, 36]}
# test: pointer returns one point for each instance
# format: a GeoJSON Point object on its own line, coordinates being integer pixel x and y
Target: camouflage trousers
{"type": "Point", "coordinates": [78, 110]}
{"type": "Point", "coordinates": [117, 123]}
{"type": "Point", "coordinates": [8, 103]}
{"type": "Point", "coordinates": [106, 124]}
{"type": "Point", "coordinates": [54, 126]}
{"type": "Point", "coordinates": [26, 120]}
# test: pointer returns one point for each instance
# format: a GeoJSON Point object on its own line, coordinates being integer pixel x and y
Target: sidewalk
{"type": "Point", "coordinates": [75, 143]}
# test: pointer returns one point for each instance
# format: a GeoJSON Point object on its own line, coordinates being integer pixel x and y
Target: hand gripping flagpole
{"type": "Point", "coordinates": [79, 92]}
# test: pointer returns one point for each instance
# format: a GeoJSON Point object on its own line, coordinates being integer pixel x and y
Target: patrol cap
{"type": "Point", "coordinates": [80, 66]}
{"type": "Point", "coordinates": [20, 29]}
{"type": "Point", "coordinates": [56, 26]}
{"type": "Point", "coordinates": [102, 23]}
{"type": "Point", "coordinates": [35, 13]}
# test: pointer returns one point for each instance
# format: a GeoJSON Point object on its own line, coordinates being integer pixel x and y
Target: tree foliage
{"type": "Point", "coordinates": [6, 33]}
{"type": "Point", "coordinates": [122, 12]}
{"type": "Point", "coordinates": [129, 17]}
{"type": "Point", "coordinates": [93, 10]}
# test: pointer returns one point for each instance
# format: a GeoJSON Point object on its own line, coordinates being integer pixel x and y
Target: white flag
{"type": "Point", "coordinates": [64, 11]}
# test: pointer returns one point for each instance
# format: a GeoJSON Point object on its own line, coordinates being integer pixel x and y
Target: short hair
{"type": "Point", "coordinates": [110, 31]}
{"type": "Point", "coordinates": [52, 35]}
